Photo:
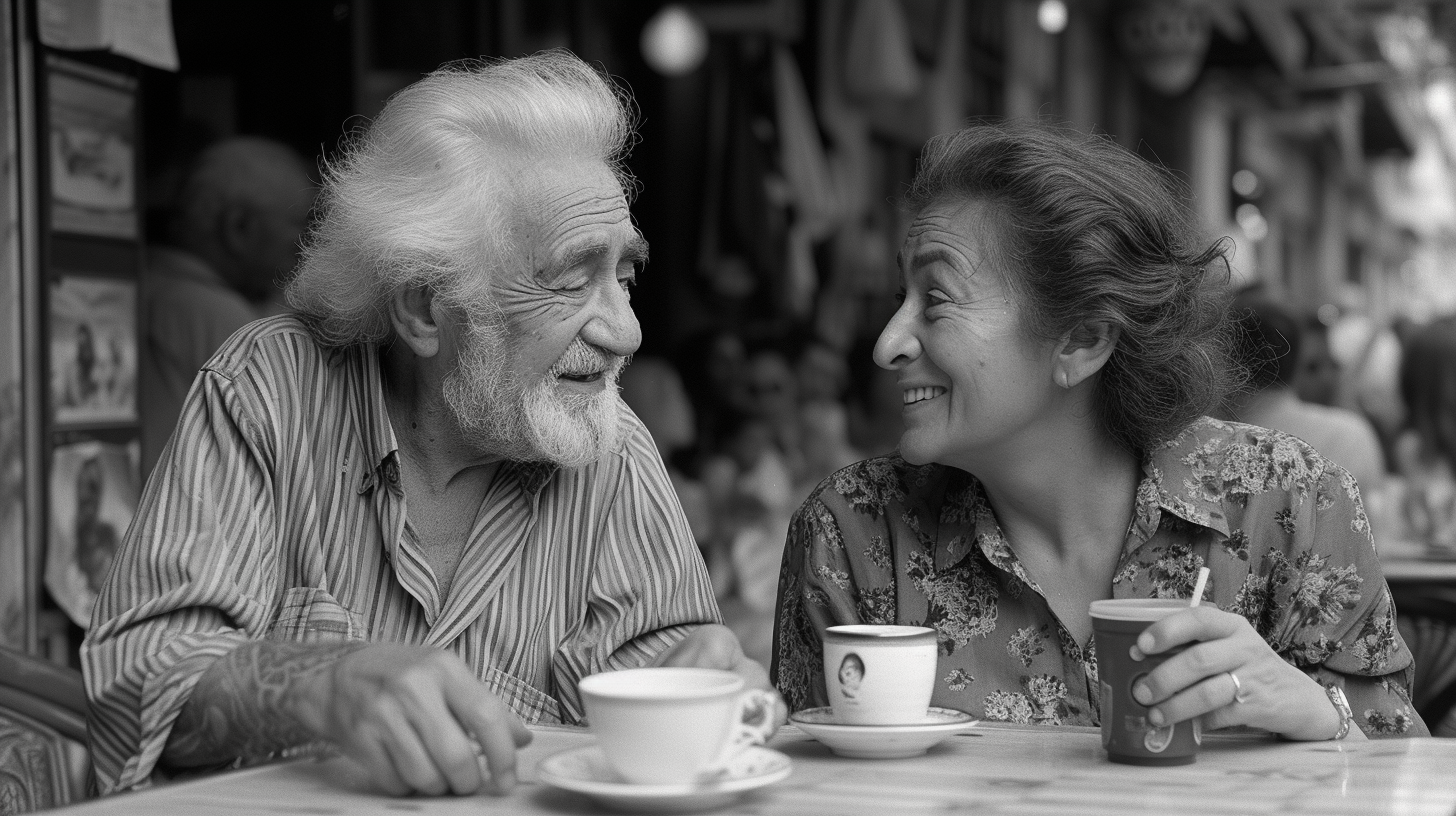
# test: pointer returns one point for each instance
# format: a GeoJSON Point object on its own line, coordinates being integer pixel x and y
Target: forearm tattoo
{"type": "Point", "coordinates": [240, 709]}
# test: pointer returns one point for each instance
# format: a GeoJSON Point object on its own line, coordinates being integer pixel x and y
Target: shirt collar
{"type": "Point", "coordinates": [1170, 484]}
{"type": "Point", "coordinates": [376, 433]}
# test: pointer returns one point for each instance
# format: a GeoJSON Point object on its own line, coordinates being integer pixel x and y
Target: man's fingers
{"type": "Point", "coordinates": [449, 748]}
{"type": "Point", "coordinates": [496, 729]}
{"type": "Point", "coordinates": [367, 748]}
{"type": "Point", "coordinates": [412, 762]}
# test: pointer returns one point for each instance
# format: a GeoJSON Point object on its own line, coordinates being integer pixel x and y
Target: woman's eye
{"type": "Point", "coordinates": [935, 298]}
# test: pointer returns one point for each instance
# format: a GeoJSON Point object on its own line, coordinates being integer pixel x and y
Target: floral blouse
{"type": "Point", "coordinates": [1281, 529]}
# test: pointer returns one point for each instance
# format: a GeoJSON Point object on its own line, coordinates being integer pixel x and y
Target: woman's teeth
{"type": "Point", "coordinates": [915, 395]}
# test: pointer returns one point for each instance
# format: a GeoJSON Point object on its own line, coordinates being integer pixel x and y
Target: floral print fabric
{"type": "Point", "coordinates": [1281, 529]}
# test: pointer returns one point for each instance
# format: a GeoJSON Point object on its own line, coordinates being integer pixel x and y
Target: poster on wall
{"type": "Point", "coordinates": [93, 346]}
{"type": "Point", "coordinates": [92, 116]}
{"type": "Point", "coordinates": [94, 489]}
{"type": "Point", "coordinates": [15, 600]}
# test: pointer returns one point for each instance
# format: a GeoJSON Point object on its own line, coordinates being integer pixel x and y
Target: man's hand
{"type": "Point", "coordinates": [414, 716]}
{"type": "Point", "coordinates": [714, 646]}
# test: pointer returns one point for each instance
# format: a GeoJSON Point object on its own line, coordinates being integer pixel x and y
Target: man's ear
{"type": "Point", "coordinates": [412, 312]}
{"type": "Point", "coordinates": [1084, 351]}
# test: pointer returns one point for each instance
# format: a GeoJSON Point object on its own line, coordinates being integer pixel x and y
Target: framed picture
{"type": "Point", "coordinates": [95, 485]}
{"type": "Point", "coordinates": [92, 134]}
{"type": "Point", "coordinates": [93, 343]}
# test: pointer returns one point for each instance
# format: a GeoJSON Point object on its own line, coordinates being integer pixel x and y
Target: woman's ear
{"type": "Point", "coordinates": [1084, 351]}
{"type": "Point", "coordinates": [411, 311]}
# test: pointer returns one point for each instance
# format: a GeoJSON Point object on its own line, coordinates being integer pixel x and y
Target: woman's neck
{"type": "Point", "coordinates": [1066, 493]}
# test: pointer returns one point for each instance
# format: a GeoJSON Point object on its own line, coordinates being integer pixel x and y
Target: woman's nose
{"type": "Point", "coordinates": [897, 344]}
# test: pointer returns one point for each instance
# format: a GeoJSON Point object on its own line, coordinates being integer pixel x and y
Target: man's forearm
{"type": "Point", "coordinates": [246, 704]}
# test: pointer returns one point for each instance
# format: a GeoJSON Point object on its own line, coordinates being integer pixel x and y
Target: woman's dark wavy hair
{"type": "Point", "coordinates": [1091, 232]}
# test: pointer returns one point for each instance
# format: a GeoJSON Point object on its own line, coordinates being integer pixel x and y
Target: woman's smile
{"type": "Point", "coordinates": [917, 395]}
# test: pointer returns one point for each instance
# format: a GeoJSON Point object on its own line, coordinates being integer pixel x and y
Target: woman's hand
{"type": "Point", "coordinates": [1272, 694]}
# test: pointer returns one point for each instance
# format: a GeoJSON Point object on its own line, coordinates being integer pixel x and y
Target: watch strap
{"type": "Point", "coordinates": [1342, 705]}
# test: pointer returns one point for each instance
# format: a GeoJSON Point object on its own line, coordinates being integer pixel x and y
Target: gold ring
{"type": "Point", "coordinates": [1239, 696]}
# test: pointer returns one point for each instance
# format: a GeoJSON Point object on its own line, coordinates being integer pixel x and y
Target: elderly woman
{"type": "Point", "coordinates": [1060, 336]}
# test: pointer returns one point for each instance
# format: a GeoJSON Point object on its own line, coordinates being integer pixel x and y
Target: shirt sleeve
{"type": "Point", "coordinates": [1332, 614]}
{"type": "Point", "coordinates": [649, 586]}
{"type": "Point", "coordinates": [192, 581]}
{"type": "Point", "coordinates": [815, 591]}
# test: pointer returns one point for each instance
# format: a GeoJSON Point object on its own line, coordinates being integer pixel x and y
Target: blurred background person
{"type": "Point", "coordinates": [1425, 451]}
{"type": "Point", "coordinates": [233, 236]}
{"type": "Point", "coordinates": [1272, 340]}
{"type": "Point", "coordinates": [1316, 372]}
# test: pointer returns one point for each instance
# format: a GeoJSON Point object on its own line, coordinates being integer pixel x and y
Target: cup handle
{"type": "Point", "coordinates": [753, 724]}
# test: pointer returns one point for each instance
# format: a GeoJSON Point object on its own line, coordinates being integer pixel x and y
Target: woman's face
{"type": "Point", "coordinates": [972, 383]}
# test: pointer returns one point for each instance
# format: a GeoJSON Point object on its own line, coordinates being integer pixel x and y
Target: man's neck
{"type": "Point", "coordinates": [430, 440]}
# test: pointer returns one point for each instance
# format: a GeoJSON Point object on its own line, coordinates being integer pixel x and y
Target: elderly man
{"type": "Point", "coordinates": [234, 234]}
{"type": "Point", "coordinates": [415, 516]}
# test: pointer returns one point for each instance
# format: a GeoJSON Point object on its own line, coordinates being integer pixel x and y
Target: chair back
{"type": "Point", "coordinates": [44, 761]}
{"type": "Point", "coordinates": [1427, 621]}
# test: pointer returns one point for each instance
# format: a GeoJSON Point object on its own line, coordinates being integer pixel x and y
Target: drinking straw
{"type": "Point", "coordinates": [1198, 587]}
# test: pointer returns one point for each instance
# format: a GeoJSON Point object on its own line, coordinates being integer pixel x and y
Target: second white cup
{"type": "Point", "coordinates": [879, 674]}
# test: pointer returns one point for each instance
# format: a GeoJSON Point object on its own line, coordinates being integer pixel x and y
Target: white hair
{"type": "Point", "coordinates": [420, 197]}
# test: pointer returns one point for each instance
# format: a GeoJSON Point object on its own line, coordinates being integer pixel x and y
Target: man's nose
{"type": "Point", "coordinates": [614, 325]}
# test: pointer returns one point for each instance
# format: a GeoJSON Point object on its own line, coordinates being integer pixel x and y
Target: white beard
{"type": "Point", "coordinates": [541, 423]}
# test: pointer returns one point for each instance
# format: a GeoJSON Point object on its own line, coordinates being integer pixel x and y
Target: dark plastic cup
{"type": "Point", "coordinates": [1126, 733]}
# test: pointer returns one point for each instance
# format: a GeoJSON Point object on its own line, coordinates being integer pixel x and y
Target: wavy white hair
{"type": "Point", "coordinates": [420, 196]}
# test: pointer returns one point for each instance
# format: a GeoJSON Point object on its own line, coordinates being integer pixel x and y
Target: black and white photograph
{"type": "Point", "coordinates": [92, 115]}
{"type": "Point", "coordinates": [94, 490]}
{"type": "Point", "coordinates": [764, 407]}
{"type": "Point", "coordinates": [93, 347]}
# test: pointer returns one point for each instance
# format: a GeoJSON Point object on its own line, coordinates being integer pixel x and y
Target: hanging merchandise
{"type": "Point", "coordinates": [881, 64]}
{"type": "Point", "coordinates": [804, 165]}
{"type": "Point", "coordinates": [1164, 41]}
{"type": "Point", "coordinates": [945, 87]}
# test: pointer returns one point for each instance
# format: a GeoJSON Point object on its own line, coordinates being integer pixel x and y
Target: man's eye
{"type": "Point", "coordinates": [934, 298]}
{"type": "Point", "coordinates": [900, 296]}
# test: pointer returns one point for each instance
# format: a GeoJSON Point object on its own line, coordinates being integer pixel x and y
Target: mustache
{"type": "Point", "coordinates": [581, 358]}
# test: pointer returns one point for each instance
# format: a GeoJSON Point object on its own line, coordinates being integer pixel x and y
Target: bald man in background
{"type": "Point", "coordinates": [234, 235]}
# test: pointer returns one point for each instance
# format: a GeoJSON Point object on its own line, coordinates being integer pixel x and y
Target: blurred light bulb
{"type": "Point", "coordinates": [1245, 183]}
{"type": "Point", "coordinates": [674, 41]}
{"type": "Point", "coordinates": [1051, 15]}
{"type": "Point", "coordinates": [1252, 222]}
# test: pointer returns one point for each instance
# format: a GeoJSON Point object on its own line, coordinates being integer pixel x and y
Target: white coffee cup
{"type": "Point", "coordinates": [879, 675]}
{"type": "Point", "coordinates": [674, 725]}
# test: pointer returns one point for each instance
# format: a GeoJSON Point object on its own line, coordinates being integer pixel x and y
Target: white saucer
{"type": "Point", "coordinates": [585, 770]}
{"type": "Point", "coordinates": [882, 741]}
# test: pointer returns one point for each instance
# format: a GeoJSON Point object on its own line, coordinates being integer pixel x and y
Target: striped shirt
{"type": "Point", "coordinates": [276, 512]}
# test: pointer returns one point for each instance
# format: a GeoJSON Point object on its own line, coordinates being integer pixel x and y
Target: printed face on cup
{"type": "Point", "coordinates": [674, 725]}
{"type": "Point", "coordinates": [879, 675]}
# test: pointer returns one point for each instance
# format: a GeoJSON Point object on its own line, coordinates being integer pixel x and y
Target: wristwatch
{"type": "Point", "coordinates": [1342, 705]}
